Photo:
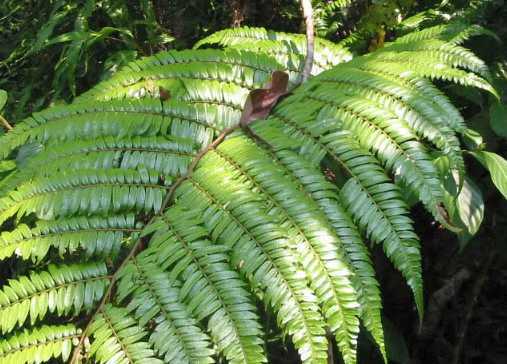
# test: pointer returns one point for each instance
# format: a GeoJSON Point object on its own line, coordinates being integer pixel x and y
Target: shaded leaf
{"type": "Point", "coordinates": [3, 98]}
{"type": "Point", "coordinates": [396, 346]}
{"type": "Point", "coordinates": [497, 167]}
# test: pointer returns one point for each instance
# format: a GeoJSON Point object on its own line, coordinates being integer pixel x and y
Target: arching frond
{"type": "Point", "coordinates": [368, 195]}
{"type": "Point", "coordinates": [39, 345]}
{"type": "Point", "coordinates": [157, 300]}
{"type": "Point", "coordinates": [314, 242]}
{"type": "Point", "coordinates": [101, 236]}
{"type": "Point", "coordinates": [64, 289]}
{"type": "Point", "coordinates": [211, 289]}
{"type": "Point", "coordinates": [402, 100]}
{"type": "Point", "coordinates": [260, 249]}
{"type": "Point", "coordinates": [454, 32]}
{"type": "Point", "coordinates": [186, 221]}
{"type": "Point", "coordinates": [325, 194]}
{"type": "Point", "coordinates": [118, 338]}
{"type": "Point", "coordinates": [85, 192]}
{"type": "Point", "coordinates": [173, 69]}
{"type": "Point", "coordinates": [288, 49]}
{"type": "Point", "coordinates": [128, 118]}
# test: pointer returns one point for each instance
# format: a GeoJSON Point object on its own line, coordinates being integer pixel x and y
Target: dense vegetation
{"type": "Point", "coordinates": [205, 206]}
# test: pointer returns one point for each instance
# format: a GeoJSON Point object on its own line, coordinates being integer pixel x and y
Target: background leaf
{"type": "Point", "coordinates": [470, 208]}
{"type": "Point", "coordinates": [3, 99]}
{"type": "Point", "coordinates": [497, 167]}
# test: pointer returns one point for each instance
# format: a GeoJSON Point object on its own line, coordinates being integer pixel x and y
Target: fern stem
{"type": "Point", "coordinates": [310, 39]}
{"type": "Point", "coordinates": [138, 245]}
{"type": "Point", "coordinates": [5, 123]}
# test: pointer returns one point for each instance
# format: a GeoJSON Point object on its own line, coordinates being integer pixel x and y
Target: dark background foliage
{"type": "Point", "coordinates": [54, 50]}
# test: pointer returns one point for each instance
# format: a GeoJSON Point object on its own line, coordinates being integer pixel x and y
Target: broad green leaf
{"type": "Point", "coordinates": [497, 167]}
{"type": "Point", "coordinates": [470, 209]}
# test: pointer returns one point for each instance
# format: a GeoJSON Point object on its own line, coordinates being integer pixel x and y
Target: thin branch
{"type": "Point", "coordinates": [439, 300]}
{"type": "Point", "coordinates": [5, 123]}
{"type": "Point", "coordinates": [138, 245]}
{"type": "Point", "coordinates": [310, 39]}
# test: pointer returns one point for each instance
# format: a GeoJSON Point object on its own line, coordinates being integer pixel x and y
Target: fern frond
{"type": "Point", "coordinates": [432, 69]}
{"type": "Point", "coordinates": [119, 119]}
{"type": "Point", "coordinates": [171, 70]}
{"type": "Point", "coordinates": [402, 100]}
{"type": "Point", "coordinates": [261, 250]}
{"type": "Point", "coordinates": [68, 193]}
{"type": "Point", "coordinates": [39, 344]}
{"type": "Point", "coordinates": [288, 49]}
{"type": "Point", "coordinates": [434, 51]}
{"type": "Point", "coordinates": [64, 289]}
{"type": "Point", "coordinates": [455, 32]}
{"type": "Point", "coordinates": [101, 236]}
{"type": "Point", "coordinates": [313, 241]}
{"type": "Point", "coordinates": [119, 339]}
{"type": "Point", "coordinates": [425, 93]}
{"type": "Point", "coordinates": [326, 195]}
{"type": "Point", "coordinates": [164, 155]}
{"type": "Point", "coordinates": [211, 289]}
{"type": "Point", "coordinates": [386, 136]}
{"type": "Point", "coordinates": [156, 300]}
{"type": "Point", "coordinates": [374, 202]}
{"type": "Point", "coordinates": [415, 22]}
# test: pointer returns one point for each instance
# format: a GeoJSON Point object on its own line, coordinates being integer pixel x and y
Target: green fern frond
{"type": "Point", "coordinates": [307, 229]}
{"type": "Point", "coordinates": [86, 192]}
{"type": "Point", "coordinates": [435, 51]}
{"type": "Point", "coordinates": [167, 156]}
{"type": "Point", "coordinates": [171, 70]}
{"type": "Point", "coordinates": [433, 70]}
{"type": "Point", "coordinates": [326, 195]}
{"type": "Point", "coordinates": [119, 119]}
{"type": "Point", "coordinates": [156, 300]}
{"type": "Point", "coordinates": [455, 32]}
{"type": "Point", "coordinates": [64, 289]}
{"type": "Point", "coordinates": [402, 100]}
{"type": "Point", "coordinates": [261, 249]}
{"type": "Point", "coordinates": [184, 229]}
{"type": "Point", "coordinates": [369, 197]}
{"type": "Point", "coordinates": [385, 135]}
{"type": "Point", "coordinates": [100, 236]}
{"type": "Point", "coordinates": [119, 338]}
{"type": "Point", "coordinates": [288, 49]}
{"type": "Point", "coordinates": [417, 21]}
{"type": "Point", "coordinates": [39, 345]}
{"type": "Point", "coordinates": [211, 289]}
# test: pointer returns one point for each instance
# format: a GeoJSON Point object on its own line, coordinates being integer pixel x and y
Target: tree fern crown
{"type": "Point", "coordinates": [171, 230]}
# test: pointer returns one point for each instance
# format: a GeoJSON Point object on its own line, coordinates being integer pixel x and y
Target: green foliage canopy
{"type": "Point", "coordinates": [129, 188]}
